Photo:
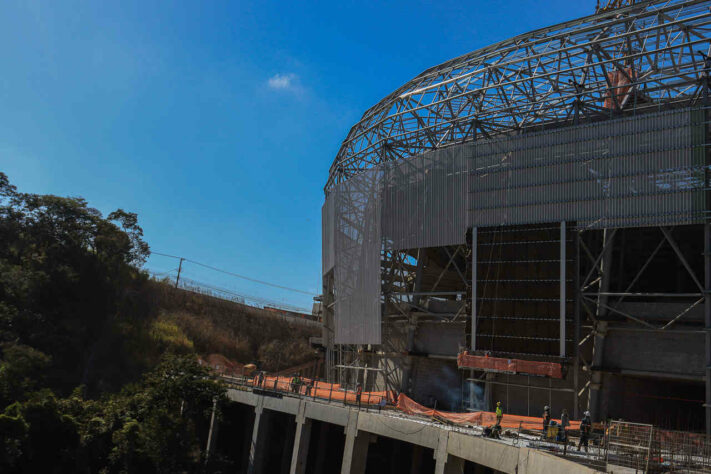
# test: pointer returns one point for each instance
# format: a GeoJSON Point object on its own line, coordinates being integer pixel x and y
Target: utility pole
{"type": "Point", "coordinates": [180, 267]}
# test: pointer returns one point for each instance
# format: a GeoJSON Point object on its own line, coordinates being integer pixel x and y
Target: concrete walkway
{"type": "Point", "coordinates": [452, 446]}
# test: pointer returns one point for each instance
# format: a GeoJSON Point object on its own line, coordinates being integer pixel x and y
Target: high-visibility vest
{"type": "Point", "coordinates": [499, 411]}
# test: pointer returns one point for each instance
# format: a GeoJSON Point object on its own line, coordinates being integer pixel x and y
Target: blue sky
{"type": "Point", "coordinates": [217, 121]}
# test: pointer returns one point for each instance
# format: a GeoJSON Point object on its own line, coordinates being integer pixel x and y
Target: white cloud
{"type": "Point", "coordinates": [282, 81]}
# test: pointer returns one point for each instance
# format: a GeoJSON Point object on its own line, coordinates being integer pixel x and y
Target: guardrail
{"type": "Point", "coordinates": [309, 389]}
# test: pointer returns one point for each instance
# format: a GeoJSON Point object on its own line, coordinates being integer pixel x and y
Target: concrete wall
{"type": "Point", "coordinates": [657, 352]}
{"type": "Point", "coordinates": [439, 338]}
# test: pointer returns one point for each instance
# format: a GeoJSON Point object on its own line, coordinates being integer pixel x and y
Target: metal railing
{"type": "Point", "coordinates": [308, 389]}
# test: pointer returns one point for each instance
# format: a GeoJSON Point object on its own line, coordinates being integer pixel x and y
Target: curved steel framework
{"type": "Point", "coordinates": [649, 55]}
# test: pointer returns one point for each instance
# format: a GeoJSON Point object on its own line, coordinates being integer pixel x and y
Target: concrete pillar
{"type": "Point", "coordinates": [445, 463]}
{"type": "Point", "coordinates": [440, 453]}
{"type": "Point", "coordinates": [355, 452]}
{"type": "Point", "coordinates": [454, 465]}
{"type": "Point", "coordinates": [212, 433]}
{"type": "Point", "coordinates": [302, 439]}
{"type": "Point", "coordinates": [255, 464]}
{"type": "Point", "coordinates": [246, 444]}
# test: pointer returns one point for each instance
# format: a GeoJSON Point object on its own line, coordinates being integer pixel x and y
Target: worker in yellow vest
{"type": "Point", "coordinates": [499, 413]}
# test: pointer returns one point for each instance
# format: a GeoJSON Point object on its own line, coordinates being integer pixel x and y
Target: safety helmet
{"type": "Point", "coordinates": [587, 413]}
{"type": "Point", "coordinates": [498, 404]}
{"type": "Point", "coordinates": [546, 407]}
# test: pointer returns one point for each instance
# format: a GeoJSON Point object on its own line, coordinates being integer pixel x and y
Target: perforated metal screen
{"type": "Point", "coordinates": [628, 172]}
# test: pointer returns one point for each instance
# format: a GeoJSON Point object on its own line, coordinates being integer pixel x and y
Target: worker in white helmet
{"type": "Point", "coordinates": [585, 429]}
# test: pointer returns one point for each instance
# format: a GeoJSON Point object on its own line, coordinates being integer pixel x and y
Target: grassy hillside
{"type": "Point", "coordinates": [241, 333]}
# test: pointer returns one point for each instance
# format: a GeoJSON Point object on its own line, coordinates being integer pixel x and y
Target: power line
{"type": "Point", "coordinates": [254, 280]}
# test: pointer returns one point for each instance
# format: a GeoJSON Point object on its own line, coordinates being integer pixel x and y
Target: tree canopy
{"type": "Point", "coordinates": [78, 391]}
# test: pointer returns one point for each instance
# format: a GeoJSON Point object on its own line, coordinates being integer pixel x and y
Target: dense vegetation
{"type": "Point", "coordinates": [97, 363]}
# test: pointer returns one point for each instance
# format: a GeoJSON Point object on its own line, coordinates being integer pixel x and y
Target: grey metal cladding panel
{"type": "Point", "coordinates": [424, 203]}
{"type": "Point", "coordinates": [357, 259]}
{"type": "Point", "coordinates": [642, 170]}
{"type": "Point", "coordinates": [327, 231]}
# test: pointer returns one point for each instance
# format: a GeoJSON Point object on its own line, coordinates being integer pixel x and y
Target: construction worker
{"type": "Point", "coordinates": [295, 382]}
{"type": "Point", "coordinates": [564, 424]}
{"type": "Point", "coordinates": [585, 429]}
{"type": "Point", "coordinates": [546, 419]}
{"type": "Point", "coordinates": [359, 392]}
{"type": "Point", "coordinates": [493, 431]}
{"type": "Point", "coordinates": [499, 413]}
{"type": "Point", "coordinates": [260, 378]}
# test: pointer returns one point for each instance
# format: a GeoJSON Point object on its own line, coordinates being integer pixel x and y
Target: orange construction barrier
{"type": "Point", "coordinates": [513, 366]}
{"type": "Point", "coordinates": [323, 390]}
{"type": "Point", "coordinates": [478, 418]}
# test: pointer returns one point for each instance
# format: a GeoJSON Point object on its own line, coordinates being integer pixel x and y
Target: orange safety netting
{"type": "Point", "coordinates": [479, 418]}
{"type": "Point", "coordinates": [514, 366]}
{"type": "Point", "coordinates": [324, 390]}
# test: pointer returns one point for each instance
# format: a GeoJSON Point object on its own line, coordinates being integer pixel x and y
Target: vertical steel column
{"type": "Point", "coordinates": [598, 359]}
{"type": "Point", "coordinates": [707, 245]}
{"type": "Point", "coordinates": [562, 288]}
{"type": "Point", "coordinates": [474, 290]}
{"type": "Point", "coordinates": [707, 321]}
{"type": "Point", "coordinates": [576, 337]}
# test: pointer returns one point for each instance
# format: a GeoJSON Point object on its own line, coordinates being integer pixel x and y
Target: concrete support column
{"type": "Point", "coordinates": [441, 454]}
{"type": "Point", "coordinates": [212, 433]}
{"type": "Point", "coordinates": [454, 465]}
{"type": "Point", "coordinates": [355, 452]}
{"type": "Point", "coordinates": [302, 439]}
{"type": "Point", "coordinates": [255, 464]}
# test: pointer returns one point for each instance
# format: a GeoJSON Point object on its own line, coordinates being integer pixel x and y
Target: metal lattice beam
{"type": "Point", "coordinates": [643, 56]}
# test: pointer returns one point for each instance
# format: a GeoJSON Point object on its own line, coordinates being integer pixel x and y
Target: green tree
{"type": "Point", "coordinates": [68, 277]}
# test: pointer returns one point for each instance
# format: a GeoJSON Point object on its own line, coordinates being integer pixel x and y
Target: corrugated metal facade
{"type": "Point", "coordinates": [357, 259]}
{"type": "Point", "coordinates": [628, 172]}
{"type": "Point", "coordinates": [327, 230]}
{"type": "Point", "coordinates": [634, 171]}
{"type": "Point", "coordinates": [424, 199]}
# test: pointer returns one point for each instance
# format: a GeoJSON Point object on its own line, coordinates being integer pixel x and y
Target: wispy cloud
{"type": "Point", "coordinates": [283, 81]}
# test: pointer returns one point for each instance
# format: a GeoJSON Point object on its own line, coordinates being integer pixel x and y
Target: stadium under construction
{"type": "Point", "coordinates": [528, 223]}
